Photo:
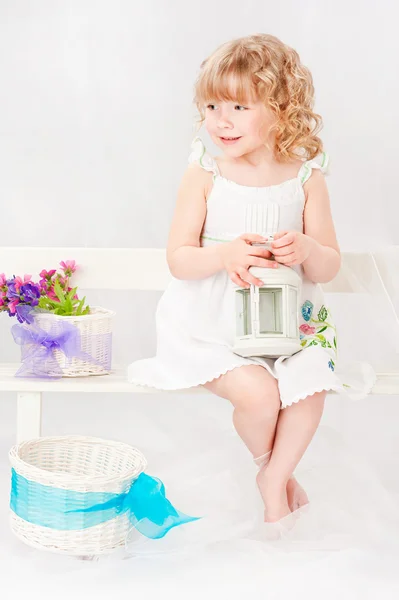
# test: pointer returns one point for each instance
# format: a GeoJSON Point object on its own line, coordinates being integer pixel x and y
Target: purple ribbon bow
{"type": "Point", "coordinates": [38, 359]}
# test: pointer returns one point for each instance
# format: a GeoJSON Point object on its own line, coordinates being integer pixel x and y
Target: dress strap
{"type": "Point", "coordinates": [321, 161]}
{"type": "Point", "coordinates": [200, 155]}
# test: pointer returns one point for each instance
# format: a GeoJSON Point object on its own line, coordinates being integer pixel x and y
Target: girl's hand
{"type": "Point", "coordinates": [239, 255]}
{"type": "Point", "coordinates": [291, 247]}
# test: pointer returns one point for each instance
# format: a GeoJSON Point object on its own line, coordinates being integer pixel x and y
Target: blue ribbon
{"type": "Point", "coordinates": [38, 347]}
{"type": "Point", "coordinates": [145, 503]}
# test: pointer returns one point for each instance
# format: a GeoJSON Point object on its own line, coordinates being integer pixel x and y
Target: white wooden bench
{"type": "Point", "coordinates": [107, 268]}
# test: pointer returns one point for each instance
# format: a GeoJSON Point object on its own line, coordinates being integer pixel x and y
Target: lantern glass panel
{"type": "Point", "coordinates": [293, 311]}
{"type": "Point", "coordinates": [270, 310]}
{"type": "Point", "coordinates": [243, 312]}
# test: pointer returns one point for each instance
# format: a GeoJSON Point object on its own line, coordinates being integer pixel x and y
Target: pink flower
{"type": "Point", "coordinates": [12, 306]}
{"type": "Point", "coordinates": [47, 274]}
{"type": "Point", "coordinates": [18, 281]}
{"type": "Point", "coordinates": [51, 294]}
{"type": "Point", "coordinates": [307, 329]}
{"type": "Point", "coordinates": [69, 267]}
{"type": "Point", "coordinates": [3, 279]}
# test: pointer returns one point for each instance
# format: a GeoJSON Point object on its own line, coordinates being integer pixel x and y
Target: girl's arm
{"type": "Point", "coordinates": [186, 258]}
{"type": "Point", "coordinates": [324, 260]}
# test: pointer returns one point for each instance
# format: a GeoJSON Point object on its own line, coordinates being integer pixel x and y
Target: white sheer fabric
{"type": "Point", "coordinates": [349, 507]}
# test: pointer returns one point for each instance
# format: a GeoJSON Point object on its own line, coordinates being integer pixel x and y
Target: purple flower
{"type": "Point", "coordinates": [12, 291]}
{"type": "Point", "coordinates": [19, 282]}
{"type": "Point", "coordinates": [30, 292]}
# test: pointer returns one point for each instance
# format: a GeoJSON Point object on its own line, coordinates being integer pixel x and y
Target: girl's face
{"type": "Point", "coordinates": [250, 123]}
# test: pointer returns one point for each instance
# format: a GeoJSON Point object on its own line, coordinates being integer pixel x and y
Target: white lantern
{"type": "Point", "coordinates": [267, 316]}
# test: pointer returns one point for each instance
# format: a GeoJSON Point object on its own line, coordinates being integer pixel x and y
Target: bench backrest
{"type": "Point", "coordinates": [147, 268]}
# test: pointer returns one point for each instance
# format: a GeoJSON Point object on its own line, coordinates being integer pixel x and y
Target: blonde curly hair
{"type": "Point", "coordinates": [263, 68]}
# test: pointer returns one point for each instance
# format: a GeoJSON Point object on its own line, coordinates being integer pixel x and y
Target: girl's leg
{"type": "Point", "coordinates": [256, 399]}
{"type": "Point", "coordinates": [295, 429]}
{"type": "Point", "coordinates": [255, 396]}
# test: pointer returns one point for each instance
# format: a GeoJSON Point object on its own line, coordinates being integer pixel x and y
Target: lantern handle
{"type": "Point", "coordinates": [266, 244]}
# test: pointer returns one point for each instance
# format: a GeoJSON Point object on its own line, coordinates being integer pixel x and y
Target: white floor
{"type": "Point", "coordinates": [347, 546]}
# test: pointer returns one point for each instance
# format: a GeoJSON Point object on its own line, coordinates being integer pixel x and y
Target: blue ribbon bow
{"type": "Point", "coordinates": [145, 504]}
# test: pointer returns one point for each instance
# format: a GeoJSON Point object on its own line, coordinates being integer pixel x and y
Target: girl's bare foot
{"type": "Point", "coordinates": [274, 497]}
{"type": "Point", "coordinates": [296, 495]}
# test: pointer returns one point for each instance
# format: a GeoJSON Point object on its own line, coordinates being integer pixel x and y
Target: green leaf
{"type": "Point", "coordinates": [335, 342]}
{"type": "Point", "coordinates": [80, 307]}
{"type": "Point", "coordinates": [46, 303]}
{"type": "Point", "coordinates": [68, 306]}
{"type": "Point", "coordinates": [71, 294]}
{"type": "Point", "coordinates": [323, 314]}
{"type": "Point", "coordinates": [42, 302]}
{"type": "Point", "coordinates": [321, 337]}
{"type": "Point", "coordinates": [53, 304]}
{"type": "Point", "coordinates": [322, 329]}
{"type": "Point", "coordinates": [58, 292]}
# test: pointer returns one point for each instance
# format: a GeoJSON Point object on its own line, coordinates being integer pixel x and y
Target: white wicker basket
{"type": "Point", "coordinates": [96, 340]}
{"type": "Point", "coordinates": [76, 464]}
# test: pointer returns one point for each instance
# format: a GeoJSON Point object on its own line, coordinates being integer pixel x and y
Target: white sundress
{"type": "Point", "coordinates": [195, 319]}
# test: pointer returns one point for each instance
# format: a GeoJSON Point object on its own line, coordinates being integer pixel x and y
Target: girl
{"type": "Point", "coordinates": [256, 100]}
